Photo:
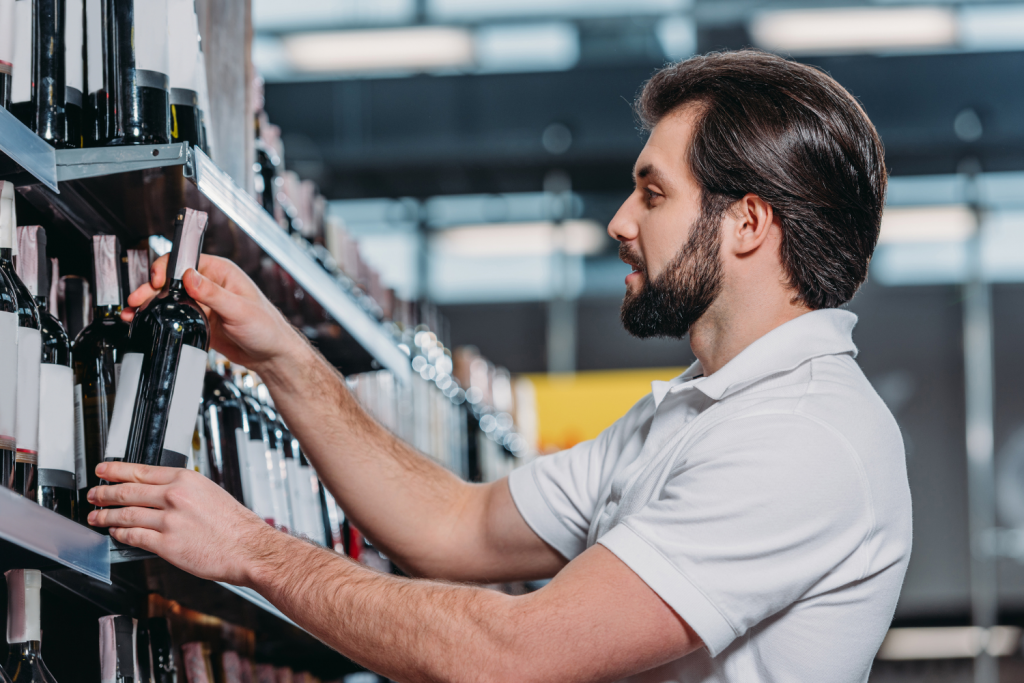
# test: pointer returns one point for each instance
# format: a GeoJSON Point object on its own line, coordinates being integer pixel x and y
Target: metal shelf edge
{"type": "Point", "coordinates": [90, 162]}
{"type": "Point", "coordinates": [261, 227]}
{"type": "Point", "coordinates": [258, 600]}
{"type": "Point", "coordinates": [28, 150]}
{"type": "Point", "coordinates": [47, 534]}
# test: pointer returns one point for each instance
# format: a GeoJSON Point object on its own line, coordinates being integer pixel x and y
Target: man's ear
{"type": "Point", "coordinates": [748, 222]}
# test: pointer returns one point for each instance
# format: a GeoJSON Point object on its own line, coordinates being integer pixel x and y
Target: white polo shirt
{"type": "Point", "coordinates": [767, 504]}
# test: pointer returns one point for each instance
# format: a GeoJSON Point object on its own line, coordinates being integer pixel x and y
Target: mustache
{"type": "Point", "coordinates": [629, 257]}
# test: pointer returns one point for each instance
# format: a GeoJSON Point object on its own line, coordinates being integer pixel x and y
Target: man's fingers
{"type": "Point", "coordinates": [142, 295]}
{"type": "Point", "coordinates": [128, 517]}
{"type": "Point", "coordinates": [144, 539]}
{"type": "Point", "coordinates": [128, 494]}
{"type": "Point", "coordinates": [158, 272]}
{"type": "Point", "coordinates": [231, 307]}
{"type": "Point", "coordinates": [116, 471]}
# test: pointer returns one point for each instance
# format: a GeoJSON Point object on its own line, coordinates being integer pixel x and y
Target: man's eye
{"type": "Point", "coordinates": [651, 195]}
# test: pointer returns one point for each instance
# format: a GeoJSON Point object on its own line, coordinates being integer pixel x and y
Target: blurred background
{"type": "Point", "coordinates": [473, 152]}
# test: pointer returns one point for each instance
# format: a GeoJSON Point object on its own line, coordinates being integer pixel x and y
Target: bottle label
{"type": "Point", "coordinates": [80, 467]}
{"type": "Point", "coordinates": [124, 406]}
{"type": "Point", "coordinates": [23, 587]}
{"type": "Point", "coordinates": [242, 449]}
{"type": "Point", "coordinates": [295, 496]}
{"type": "Point", "coordinates": [181, 413]}
{"type": "Point", "coordinates": [26, 429]}
{"type": "Point", "coordinates": [314, 510]}
{"type": "Point", "coordinates": [259, 477]}
{"type": "Point", "coordinates": [279, 489]}
{"type": "Point", "coordinates": [8, 378]}
{"type": "Point", "coordinates": [56, 426]}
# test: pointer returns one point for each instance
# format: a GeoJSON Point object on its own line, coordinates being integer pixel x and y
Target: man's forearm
{"type": "Point", "coordinates": [404, 502]}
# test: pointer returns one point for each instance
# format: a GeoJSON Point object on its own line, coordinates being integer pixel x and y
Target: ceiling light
{"type": "Point", "coordinates": [855, 29]}
{"type": "Point", "coordinates": [416, 48]}
{"type": "Point", "coordinates": [952, 223]}
{"type": "Point", "coordinates": [541, 238]}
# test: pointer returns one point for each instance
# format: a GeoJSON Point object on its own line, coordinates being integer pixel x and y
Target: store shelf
{"type": "Point", "coordinates": [124, 190]}
{"type": "Point", "coordinates": [258, 600]}
{"type": "Point", "coordinates": [25, 153]}
{"type": "Point", "coordinates": [36, 537]}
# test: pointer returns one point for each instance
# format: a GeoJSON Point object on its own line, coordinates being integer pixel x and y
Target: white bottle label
{"type": "Point", "coordinates": [242, 449]}
{"type": "Point", "coordinates": [315, 521]}
{"type": "Point", "coordinates": [124, 406]}
{"type": "Point", "coordinates": [8, 378]}
{"type": "Point", "coordinates": [80, 467]}
{"type": "Point", "coordinates": [279, 489]}
{"type": "Point", "coordinates": [26, 429]}
{"type": "Point", "coordinates": [259, 477]}
{"type": "Point", "coordinates": [296, 497]}
{"type": "Point", "coordinates": [56, 426]}
{"type": "Point", "coordinates": [186, 396]}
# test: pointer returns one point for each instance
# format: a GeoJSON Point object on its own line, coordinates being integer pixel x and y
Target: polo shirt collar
{"type": "Point", "coordinates": [825, 332]}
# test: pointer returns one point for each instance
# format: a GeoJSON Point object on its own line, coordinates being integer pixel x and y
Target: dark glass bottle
{"type": "Point", "coordinates": [24, 660]}
{"type": "Point", "coordinates": [278, 469]}
{"type": "Point", "coordinates": [6, 52]}
{"type": "Point", "coordinates": [8, 345]}
{"type": "Point", "coordinates": [162, 374]}
{"type": "Point", "coordinates": [260, 459]}
{"type": "Point", "coordinates": [144, 654]}
{"type": "Point", "coordinates": [136, 71]}
{"type": "Point", "coordinates": [21, 71]}
{"type": "Point", "coordinates": [56, 488]}
{"type": "Point", "coordinates": [165, 668]}
{"type": "Point", "coordinates": [74, 72]}
{"type": "Point", "coordinates": [227, 433]}
{"type": "Point", "coordinates": [48, 71]}
{"type": "Point", "coordinates": [98, 352]}
{"type": "Point", "coordinates": [97, 119]}
{"type": "Point", "coordinates": [30, 345]}
{"type": "Point", "coordinates": [119, 661]}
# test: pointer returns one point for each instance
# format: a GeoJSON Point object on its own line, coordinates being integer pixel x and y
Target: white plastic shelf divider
{"type": "Point", "coordinates": [56, 538]}
{"type": "Point", "coordinates": [28, 150]}
{"type": "Point", "coordinates": [264, 230]}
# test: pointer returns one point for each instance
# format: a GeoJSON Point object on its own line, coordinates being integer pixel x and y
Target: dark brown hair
{"type": "Point", "coordinates": [790, 134]}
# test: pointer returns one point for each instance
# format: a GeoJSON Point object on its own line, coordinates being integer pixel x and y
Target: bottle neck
{"type": "Point", "coordinates": [42, 303]}
{"type": "Point", "coordinates": [174, 286]}
{"type": "Point", "coordinates": [6, 254]}
{"type": "Point", "coordinates": [29, 648]}
{"type": "Point", "coordinates": [109, 312]}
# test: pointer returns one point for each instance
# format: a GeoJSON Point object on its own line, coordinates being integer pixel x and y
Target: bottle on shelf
{"type": "Point", "coordinates": [74, 73]}
{"type": "Point", "coordinates": [265, 673]}
{"type": "Point", "coordinates": [183, 41]}
{"type": "Point", "coordinates": [260, 459]}
{"type": "Point", "coordinates": [165, 669]}
{"type": "Point", "coordinates": [24, 659]}
{"type": "Point", "coordinates": [6, 51]}
{"type": "Point", "coordinates": [48, 71]}
{"type": "Point", "coordinates": [162, 374]}
{"type": "Point", "coordinates": [135, 74]}
{"type": "Point", "coordinates": [26, 428]}
{"type": "Point", "coordinates": [97, 118]}
{"type": "Point", "coordinates": [119, 661]}
{"type": "Point", "coordinates": [144, 652]}
{"type": "Point", "coordinates": [21, 71]}
{"type": "Point", "coordinates": [332, 521]}
{"type": "Point", "coordinates": [196, 659]}
{"type": "Point", "coordinates": [226, 425]}
{"type": "Point", "coordinates": [57, 489]}
{"type": "Point", "coordinates": [99, 351]}
{"type": "Point", "coordinates": [9, 320]}
{"type": "Point", "coordinates": [74, 304]}
{"type": "Point", "coordinates": [278, 469]}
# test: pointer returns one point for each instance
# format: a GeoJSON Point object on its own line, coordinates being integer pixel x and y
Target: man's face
{"type": "Point", "coordinates": [673, 249]}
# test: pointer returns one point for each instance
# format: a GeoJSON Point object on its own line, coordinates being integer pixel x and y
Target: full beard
{"type": "Point", "coordinates": [670, 304]}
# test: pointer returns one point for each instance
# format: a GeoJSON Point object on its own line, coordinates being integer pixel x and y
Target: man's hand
{"type": "Point", "coordinates": [244, 325]}
{"type": "Point", "coordinates": [181, 516]}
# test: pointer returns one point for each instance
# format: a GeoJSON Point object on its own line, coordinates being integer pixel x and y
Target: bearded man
{"type": "Point", "coordinates": [749, 520]}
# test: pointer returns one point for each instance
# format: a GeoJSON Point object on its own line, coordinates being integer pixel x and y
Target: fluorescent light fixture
{"type": "Point", "coordinates": [992, 27]}
{"type": "Point", "coordinates": [277, 16]}
{"type": "Point", "coordinates": [549, 46]}
{"type": "Point", "coordinates": [463, 10]}
{"type": "Point", "coordinates": [855, 29]}
{"type": "Point", "coordinates": [541, 238]}
{"type": "Point", "coordinates": [417, 48]}
{"type": "Point", "coordinates": [953, 642]}
{"type": "Point", "coordinates": [952, 223]}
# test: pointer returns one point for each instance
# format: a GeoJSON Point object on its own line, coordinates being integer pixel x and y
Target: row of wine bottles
{"type": "Point", "coordinates": [131, 650]}
{"type": "Point", "coordinates": [85, 73]}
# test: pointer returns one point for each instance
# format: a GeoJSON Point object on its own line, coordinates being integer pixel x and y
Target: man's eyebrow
{"type": "Point", "coordinates": [648, 171]}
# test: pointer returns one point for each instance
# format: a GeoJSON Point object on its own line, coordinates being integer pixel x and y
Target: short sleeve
{"type": "Point", "coordinates": [557, 494]}
{"type": "Point", "coordinates": [750, 520]}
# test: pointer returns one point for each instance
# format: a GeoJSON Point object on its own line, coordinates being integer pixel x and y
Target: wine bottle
{"type": "Point", "coordinates": [331, 520]}
{"type": "Point", "coordinates": [74, 304]}
{"type": "Point", "coordinates": [30, 346]}
{"type": "Point", "coordinates": [118, 658]}
{"type": "Point", "coordinates": [98, 353]}
{"type": "Point", "coordinates": [227, 434]}
{"type": "Point", "coordinates": [260, 459]}
{"type": "Point", "coordinates": [48, 71]}
{"type": "Point", "coordinates": [230, 667]}
{"type": "Point", "coordinates": [265, 673]}
{"type": "Point", "coordinates": [183, 41]}
{"type": "Point", "coordinates": [74, 73]}
{"type": "Point", "coordinates": [24, 660]}
{"type": "Point", "coordinates": [162, 374]}
{"type": "Point", "coordinates": [56, 489]}
{"type": "Point", "coordinates": [198, 668]}
{"type": "Point", "coordinates": [6, 51]}
{"type": "Point", "coordinates": [303, 489]}
{"type": "Point", "coordinates": [21, 70]}
{"type": "Point", "coordinates": [144, 654]}
{"type": "Point", "coordinates": [8, 348]}
{"type": "Point", "coordinates": [98, 120]}
{"type": "Point", "coordinates": [165, 669]}
{"type": "Point", "coordinates": [136, 71]}
{"type": "Point", "coordinates": [278, 469]}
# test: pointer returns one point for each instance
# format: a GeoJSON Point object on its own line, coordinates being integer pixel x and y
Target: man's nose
{"type": "Point", "coordinates": [623, 226]}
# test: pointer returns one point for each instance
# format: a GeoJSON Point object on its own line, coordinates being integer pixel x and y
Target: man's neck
{"type": "Point", "coordinates": [729, 327]}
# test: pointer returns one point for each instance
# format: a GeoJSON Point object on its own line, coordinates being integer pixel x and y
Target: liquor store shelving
{"type": "Point", "coordinates": [123, 191]}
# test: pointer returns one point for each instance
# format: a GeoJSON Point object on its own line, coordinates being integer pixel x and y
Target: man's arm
{"type": "Point", "coordinates": [427, 520]}
{"type": "Point", "coordinates": [596, 621]}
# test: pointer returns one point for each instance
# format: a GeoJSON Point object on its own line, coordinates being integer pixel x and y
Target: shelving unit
{"type": "Point", "coordinates": [123, 191]}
